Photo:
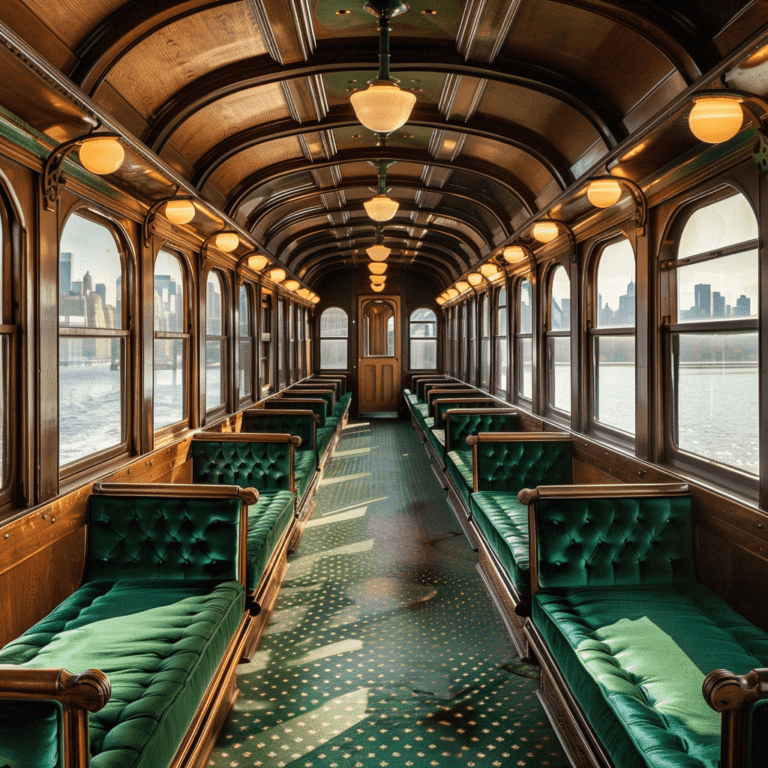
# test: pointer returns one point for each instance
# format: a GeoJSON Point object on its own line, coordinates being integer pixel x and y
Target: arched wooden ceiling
{"type": "Point", "coordinates": [248, 100]}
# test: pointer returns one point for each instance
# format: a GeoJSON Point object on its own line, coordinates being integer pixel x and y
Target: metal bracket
{"type": "Point", "coordinates": [52, 171]}
{"type": "Point", "coordinates": [149, 226]}
{"type": "Point", "coordinates": [641, 202]}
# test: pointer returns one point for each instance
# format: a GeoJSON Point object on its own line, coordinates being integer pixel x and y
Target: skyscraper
{"type": "Point", "coordinates": [718, 305]}
{"type": "Point", "coordinates": [743, 306]}
{"type": "Point", "coordinates": [65, 273]}
{"type": "Point", "coordinates": [703, 294]}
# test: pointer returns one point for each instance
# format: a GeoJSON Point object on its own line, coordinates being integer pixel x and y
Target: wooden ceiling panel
{"type": "Point", "coordinates": [427, 86]}
{"type": "Point", "coordinates": [229, 174]}
{"type": "Point", "coordinates": [228, 116]}
{"type": "Point", "coordinates": [72, 20]}
{"type": "Point", "coordinates": [537, 112]}
{"type": "Point", "coordinates": [593, 49]}
{"type": "Point", "coordinates": [357, 137]}
{"type": "Point", "coordinates": [181, 52]}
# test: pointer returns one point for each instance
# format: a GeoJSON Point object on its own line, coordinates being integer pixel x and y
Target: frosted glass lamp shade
{"type": "Point", "coordinates": [440, 300]}
{"type": "Point", "coordinates": [603, 193]}
{"type": "Point", "coordinates": [315, 299]}
{"type": "Point", "coordinates": [715, 119]}
{"type": "Point", "coordinates": [514, 253]}
{"type": "Point", "coordinates": [377, 288]}
{"type": "Point", "coordinates": [461, 286]}
{"type": "Point", "coordinates": [291, 285]}
{"type": "Point", "coordinates": [227, 241]}
{"type": "Point", "coordinates": [377, 268]}
{"type": "Point", "coordinates": [451, 293]}
{"type": "Point", "coordinates": [101, 156]}
{"type": "Point", "coordinates": [381, 208]}
{"type": "Point", "coordinates": [545, 231]}
{"type": "Point", "coordinates": [379, 252]}
{"type": "Point", "coordinates": [378, 279]}
{"type": "Point", "coordinates": [383, 107]}
{"type": "Point", "coordinates": [258, 262]}
{"type": "Point", "coordinates": [489, 270]}
{"type": "Point", "coordinates": [276, 275]}
{"type": "Point", "coordinates": [474, 279]}
{"type": "Point", "coordinates": [179, 211]}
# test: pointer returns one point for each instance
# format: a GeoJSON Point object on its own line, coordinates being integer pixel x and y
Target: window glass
{"type": "Point", "coordinates": [526, 306]}
{"type": "Point", "coordinates": [169, 402]}
{"type": "Point", "coordinates": [333, 338]}
{"type": "Point", "coordinates": [91, 393]}
{"type": "Point", "coordinates": [560, 301]}
{"type": "Point", "coordinates": [215, 367]}
{"type": "Point", "coordinates": [616, 285]}
{"type": "Point", "coordinates": [423, 336]}
{"type": "Point", "coordinates": [718, 225]}
{"type": "Point", "coordinates": [559, 342]}
{"type": "Point", "coordinates": [525, 339]}
{"type": "Point", "coordinates": [501, 343]}
{"type": "Point", "coordinates": [265, 367]}
{"type": "Point", "coordinates": [244, 343]}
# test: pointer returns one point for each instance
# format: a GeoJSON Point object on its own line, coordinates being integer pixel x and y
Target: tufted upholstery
{"type": "Point", "coordinates": [159, 643]}
{"type": "Point", "coordinates": [29, 734]}
{"type": "Point", "coordinates": [324, 436]}
{"type": "Point", "coordinates": [462, 425]}
{"type": "Point", "coordinates": [512, 466]}
{"type": "Point", "coordinates": [305, 464]}
{"type": "Point", "coordinates": [263, 466]}
{"type": "Point", "coordinates": [598, 542]}
{"type": "Point", "coordinates": [268, 520]}
{"type": "Point", "coordinates": [313, 394]}
{"type": "Point", "coordinates": [317, 406]}
{"type": "Point", "coordinates": [635, 658]}
{"type": "Point", "coordinates": [342, 404]}
{"type": "Point", "coordinates": [459, 466]}
{"type": "Point", "coordinates": [265, 421]}
{"type": "Point", "coordinates": [162, 538]}
{"type": "Point", "coordinates": [504, 523]}
{"type": "Point", "coordinates": [437, 440]}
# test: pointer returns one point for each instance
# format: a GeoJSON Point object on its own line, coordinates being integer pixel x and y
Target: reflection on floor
{"type": "Point", "coordinates": [384, 649]}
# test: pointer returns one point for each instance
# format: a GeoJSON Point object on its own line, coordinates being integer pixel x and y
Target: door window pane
{"type": "Point", "coordinates": [423, 336]}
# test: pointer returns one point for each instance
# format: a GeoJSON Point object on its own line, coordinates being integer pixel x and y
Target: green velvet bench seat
{"type": "Point", "coordinates": [435, 431]}
{"type": "Point", "coordinates": [302, 423]}
{"type": "Point", "coordinates": [626, 635]}
{"type": "Point", "coordinates": [340, 409]}
{"type": "Point", "coordinates": [136, 669]}
{"type": "Point", "coordinates": [326, 426]}
{"type": "Point", "coordinates": [266, 462]}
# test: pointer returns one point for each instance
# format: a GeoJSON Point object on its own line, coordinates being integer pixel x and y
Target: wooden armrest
{"type": "Point", "coordinates": [89, 690]}
{"type": "Point", "coordinates": [602, 491]}
{"type": "Point", "coordinates": [470, 411]}
{"type": "Point", "coordinates": [518, 437]}
{"type": "Point", "coordinates": [278, 412]}
{"type": "Point", "coordinates": [177, 490]}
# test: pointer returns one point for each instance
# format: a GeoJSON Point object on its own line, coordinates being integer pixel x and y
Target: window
{"type": "Point", "coordinates": [613, 338]}
{"type": "Point", "coordinates": [300, 368]}
{"type": "Point", "coordinates": [333, 339]}
{"type": "Point", "coordinates": [171, 348]}
{"type": "Point", "coordinates": [471, 375]}
{"type": "Point", "coordinates": [423, 337]}
{"type": "Point", "coordinates": [8, 388]}
{"type": "Point", "coordinates": [524, 340]}
{"type": "Point", "coordinates": [485, 342]}
{"type": "Point", "coordinates": [245, 343]}
{"type": "Point", "coordinates": [291, 312]}
{"type": "Point", "coordinates": [462, 342]}
{"type": "Point", "coordinates": [92, 342]}
{"type": "Point", "coordinates": [280, 339]}
{"type": "Point", "coordinates": [559, 342]}
{"type": "Point", "coordinates": [265, 358]}
{"type": "Point", "coordinates": [307, 341]}
{"type": "Point", "coordinates": [502, 362]}
{"type": "Point", "coordinates": [714, 285]}
{"type": "Point", "coordinates": [215, 343]}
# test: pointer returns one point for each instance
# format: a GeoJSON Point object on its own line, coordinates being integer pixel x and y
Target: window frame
{"type": "Point", "coordinates": [411, 338]}
{"type": "Point", "coordinates": [485, 335]}
{"type": "Point", "coordinates": [553, 412]}
{"type": "Point", "coordinates": [69, 472]}
{"type": "Point", "coordinates": [333, 338]}
{"type": "Point", "coordinates": [606, 432]}
{"type": "Point", "coordinates": [211, 414]}
{"type": "Point", "coordinates": [500, 333]}
{"type": "Point", "coordinates": [266, 325]}
{"type": "Point", "coordinates": [251, 339]}
{"type": "Point", "coordinates": [184, 336]}
{"type": "Point", "coordinates": [519, 336]}
{"type": "Point", "coordinates": [671, 328]}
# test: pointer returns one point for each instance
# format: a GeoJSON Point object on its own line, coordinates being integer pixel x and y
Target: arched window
{"type": "Point", "coordinates": [171, 350]}
{"type": "Point", "coordinates": [485, 342]}
{"type": "Point", "coordinates": [714, 297]}
{"type": "Point", "coordinates": [613, 338]}
{"type": "Point", "coordinates": [423, 338]}
{"type": "Point", "coordinates": [9, 388]}
{"type": "Point", "coordinates": [215, 343]}
{"type": "Point", "coordinates": [524, 340]}
{"type": "Point", "coordinates": [471, 373]}
{"type": "Point", "coordinates": [559, 342]}
{"type": "Point", "coordinates": [265, 364]}
{"type": "Point", "coordinates": [502, 363]}
{"type": "Point", "coordinates": [246, 329]}
{"type": "Point", "coordinates": [93, 343]}
{"type": "Point", "coordinates": [334, 328]}
{"type": "Point", "coordinates": [281, 338]}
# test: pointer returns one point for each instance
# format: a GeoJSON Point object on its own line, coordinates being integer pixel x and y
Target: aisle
{"type": "Point", "coordinates": [384, 649]}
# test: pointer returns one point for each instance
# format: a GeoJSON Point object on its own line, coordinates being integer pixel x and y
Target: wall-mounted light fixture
{"type": "Point", "coordinates": [605, 191]}
{"type": "Point", "coordinates": [383, 107]}
{"type": "Point", "coordinates": [475, 279]}
{"type": "Point", "coordinates": [257, 262]}
{"type": "Point", "coordinates": [718, 115]}
{"type": "Point", "coordinates": [178, 210]}
{"type": "Point", "coordinates": [292, 285]}
{"type": "Point", "coordinates": [440, 301]}
{"type": "Point", "coordinates": [462, 286]}
{"type": "Point", "coordinates": [490, 271]}
{"type": "Point", "coordinates": [548, 230]}
{"type": "Point", "coordinates": [276, 275]}
{"type": "Point", "coordinates": [100, 153]}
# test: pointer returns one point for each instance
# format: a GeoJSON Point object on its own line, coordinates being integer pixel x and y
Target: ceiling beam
{"type": "Point", "coordinates": [509, 134]}
{"type": "Point", "coordinates": [352, 55]}
{"type": "Point", "coordinates": [489, 173]}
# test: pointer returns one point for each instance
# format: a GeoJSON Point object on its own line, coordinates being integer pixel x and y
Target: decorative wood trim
{"type": "Point", "coordinates": [600, 491]}
{"type": "Point", "coordinates": [180, 490]}
{"type": "Point", "coordinates": [477, 401]}
{"type": "Point", "coordinates": [246, 437]}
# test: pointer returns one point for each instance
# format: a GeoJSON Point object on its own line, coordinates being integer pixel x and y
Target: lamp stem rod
{"type": "Point", "coordinates": [382, 177]}
{"type": "Point", "coordinates": [384, 47]}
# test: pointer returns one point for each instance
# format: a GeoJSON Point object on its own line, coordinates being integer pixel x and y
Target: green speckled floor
{"type": "Point", "coordinates": [384, 649]}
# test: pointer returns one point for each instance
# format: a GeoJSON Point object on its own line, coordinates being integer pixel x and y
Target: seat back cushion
{"type": "Point", "coordinates": [162, 538]}
{"type": "Point", "coordinates": [619, 541]}
{"type": "Point", "coordinates": [265, 421]}
{"type": "Point", "coordinates": [443, 404]}
{"type": "Point", "coordinates": [459, 426]}
{"type": "Point", "coordinates": [318, 394]}
{"type": "Point", "coordinates": [29, 734]}
{"type": "Point", "coordinates": [320, 407]}
{"type": "Point", "coordinates": [512, 466]}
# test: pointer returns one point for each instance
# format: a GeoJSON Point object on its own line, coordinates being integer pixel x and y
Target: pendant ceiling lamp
{"type": "Point", "coordinates": [378, 279]}
{"type": "Point", "coordinates": [378, 252]}
{"type": "Point", "coordinates": [377, 288]}
{"type": "Point", "coordinates": [381, 207]}
{"type": "Point", "coordinates": [383, 106]}
{"type": "Point", "coordinates": [377, 268]}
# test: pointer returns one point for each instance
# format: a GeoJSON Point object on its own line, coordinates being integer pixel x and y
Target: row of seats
{"type": "Point", "coordinates": [136, 669]}
{"type": "Point", "coordinates": [598, 584]}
